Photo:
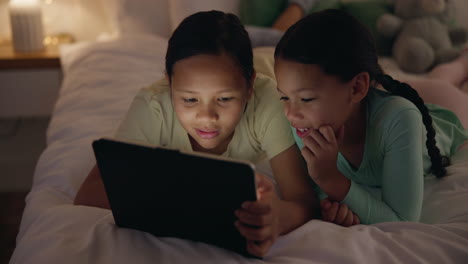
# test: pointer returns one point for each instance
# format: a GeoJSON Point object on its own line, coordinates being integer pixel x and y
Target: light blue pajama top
{"type": "Point", "coordinates": [389, 183]}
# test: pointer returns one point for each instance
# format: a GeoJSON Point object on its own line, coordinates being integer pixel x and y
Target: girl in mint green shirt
{"type": "Point", "coordinates": [367, 149]}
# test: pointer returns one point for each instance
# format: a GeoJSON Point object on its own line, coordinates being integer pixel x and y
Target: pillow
{"type": "Point", "coordinates": [139, 16]}
{"type": "Point", "coordinates": [261, 13]}
{"type": "Point", "coordinates": [180, 9]}
{"type": "Point", "coordinates": [264, 61]}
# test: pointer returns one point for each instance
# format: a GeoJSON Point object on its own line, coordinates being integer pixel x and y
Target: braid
{"type": "Point", "coordinates": [404, 90]}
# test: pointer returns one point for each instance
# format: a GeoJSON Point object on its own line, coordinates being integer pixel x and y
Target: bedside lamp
{"type": "Point", "coordinates": [26, 25]}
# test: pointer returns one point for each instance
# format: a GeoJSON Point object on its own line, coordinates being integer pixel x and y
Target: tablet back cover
{"type": "Point", "coordinates": [172, 194]}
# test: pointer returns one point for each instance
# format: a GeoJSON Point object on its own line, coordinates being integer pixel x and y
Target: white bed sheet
{"type": "Point", "coordinates": [99, 83]}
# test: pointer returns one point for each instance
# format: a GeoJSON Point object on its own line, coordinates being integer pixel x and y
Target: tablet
{"type": "Point", "coordinates": [170, 193]}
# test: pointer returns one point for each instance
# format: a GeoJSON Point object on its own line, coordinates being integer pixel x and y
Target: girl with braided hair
{"type": "Point", "coordinates": [368, 139]}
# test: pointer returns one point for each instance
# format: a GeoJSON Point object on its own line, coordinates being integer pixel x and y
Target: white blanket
{"type": "Point", "coordinates": [100, 82]}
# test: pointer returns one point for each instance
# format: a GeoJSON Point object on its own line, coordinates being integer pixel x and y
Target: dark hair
{"type": "Point", "coordinates": [342, 46]}
{"type": "Point", "coordinates": [211, 32]}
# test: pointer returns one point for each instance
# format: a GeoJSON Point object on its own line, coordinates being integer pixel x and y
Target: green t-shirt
{"type": "Point", "coordinates": [389, 183]}
{"type": "Point", "coordinates": [263, 130]}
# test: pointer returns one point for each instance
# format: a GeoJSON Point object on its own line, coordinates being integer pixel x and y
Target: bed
{"type": "Point", "coordinates": [100, 80]}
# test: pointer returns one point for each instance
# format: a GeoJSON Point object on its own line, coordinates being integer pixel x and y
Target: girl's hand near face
{"type": "Point", "coordinates": [259, 221]}
{"type": "Point", "coordinates": [337, 213]}
{"type": "Point", "coordinates": [320, 151]}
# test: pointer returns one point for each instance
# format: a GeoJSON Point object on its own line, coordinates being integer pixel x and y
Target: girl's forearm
{"type": "Point", "coordinates": [335, 185]}
{"type": "Point", "coordinates": [92, 192]}
{"type": "Point", "coordinates": [289, 16]}
{"type": "Point", "coordinates": [293, 214]}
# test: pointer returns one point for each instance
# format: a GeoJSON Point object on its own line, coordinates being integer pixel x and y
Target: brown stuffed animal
{"type": "Point", "coordinates": [422, 35]}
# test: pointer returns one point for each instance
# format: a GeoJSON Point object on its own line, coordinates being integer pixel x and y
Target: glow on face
{"type": "Point", "coordinates": [311, 98]}
{"type": "Point", "coordinates": [209, 94]}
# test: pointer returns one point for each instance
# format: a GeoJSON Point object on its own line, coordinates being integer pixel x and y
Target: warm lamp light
{"type": "Point", "coordinates": [26, 25]}
{"type": "Point", "coordinates": [59, 24]}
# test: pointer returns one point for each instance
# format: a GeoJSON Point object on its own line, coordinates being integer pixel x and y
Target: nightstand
{"type": "Point", "coordinates": [29, 82]}
{"type": "Point", "coordinates": [10, 60]}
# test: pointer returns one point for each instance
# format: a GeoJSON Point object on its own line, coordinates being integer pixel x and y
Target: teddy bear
{"type": "Point", "coordinates": [421, 33]}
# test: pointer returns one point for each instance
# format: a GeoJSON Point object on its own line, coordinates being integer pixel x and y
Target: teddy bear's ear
{"type": "Point", "coordinates": [389, 25]}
